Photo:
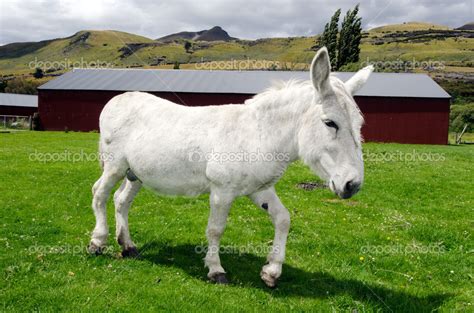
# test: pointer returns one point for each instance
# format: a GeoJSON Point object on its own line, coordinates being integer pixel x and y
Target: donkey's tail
{"type": "Point", "coordinates": [101, 153]}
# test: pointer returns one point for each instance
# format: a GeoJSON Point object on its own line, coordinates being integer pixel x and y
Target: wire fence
{"type": "Point", "coordinates": [19, 122]}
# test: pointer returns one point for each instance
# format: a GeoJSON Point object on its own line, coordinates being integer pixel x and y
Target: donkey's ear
{"type": "Point", "coordinates": [320, 70]}
{"type": "Point", "coordinates": [359, 79]}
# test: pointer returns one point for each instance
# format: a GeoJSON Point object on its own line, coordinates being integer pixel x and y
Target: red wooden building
{"type": "Point", "coordinates": [403, 108]}
{"type": "Point", "coordinates": [18, 105]}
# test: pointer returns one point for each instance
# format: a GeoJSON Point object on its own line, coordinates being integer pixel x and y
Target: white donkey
{"type": "Point", "coordinates": [230, 151]}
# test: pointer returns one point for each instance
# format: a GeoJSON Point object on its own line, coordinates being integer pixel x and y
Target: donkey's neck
{"type": "Point", "coordinates": [279, 114]}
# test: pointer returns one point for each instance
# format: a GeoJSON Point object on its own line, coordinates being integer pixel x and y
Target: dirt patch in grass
{"type": "Point", "coordinates": [311, 185]}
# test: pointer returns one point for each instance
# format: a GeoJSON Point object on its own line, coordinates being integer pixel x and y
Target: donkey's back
{"type": "Point", "coordinates": [134, 112]}
{"type": "Point", "coordinates": [164, 144]}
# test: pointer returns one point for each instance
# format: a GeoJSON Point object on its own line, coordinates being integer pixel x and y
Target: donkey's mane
{"type": "Point", "coordinates": [279, 85]}
{"type": "Point", "coordinates": [282, 95]}
{"type": "Point", "coordinates": [303, 90]}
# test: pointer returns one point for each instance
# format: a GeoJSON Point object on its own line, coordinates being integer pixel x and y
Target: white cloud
{"type": "Point", "coordinates": [38, 20]}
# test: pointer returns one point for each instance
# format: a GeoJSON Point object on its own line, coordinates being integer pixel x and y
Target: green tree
{"type": "Point", "coordinates": [188, 46]}
{"type": "Point", "coordinates": [460, 116]}
{"type": "Point", "coordinates": [22, 86]}
{"type": "Point", "coordinates": [38, 73]}
{"type": "Point", "coordinates": [349, 38]}
{"type": "Point", "coordinates": [3, 85]}
{"type": "Point", "coordinates": [329, 38]}
{"type": "Point", "coordinates": [176, 65]}
{"type": "Point", "coordinates": [356, 32]}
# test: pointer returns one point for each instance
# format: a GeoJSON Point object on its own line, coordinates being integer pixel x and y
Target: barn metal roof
{"type": "Point", "coordinates": [16, 100]}
{"type": "Point", "coordinates": [236, 82]}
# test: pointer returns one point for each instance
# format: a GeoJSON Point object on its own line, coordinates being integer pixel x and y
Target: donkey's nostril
{"type": "Point", "coordinates": [351, 187]}
{"type": "Point", "coordinates": [348, 187]}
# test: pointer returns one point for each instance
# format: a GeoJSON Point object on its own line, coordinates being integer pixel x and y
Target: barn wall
{"type": "Point", "coordinates": [403, 120]}
{"type": "Point", "coordinates": [80, 110]}
{"type": "Point", "coordinates": [16, 110]}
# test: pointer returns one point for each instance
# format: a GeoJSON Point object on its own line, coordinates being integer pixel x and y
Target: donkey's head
{"type": "Point", "coordinates": [330, 138]}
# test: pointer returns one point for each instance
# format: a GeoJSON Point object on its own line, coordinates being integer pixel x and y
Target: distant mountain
{"type": "Point", "coordinates": [214, 34]}
{"type": "Point", "coordinates": [468, 26]}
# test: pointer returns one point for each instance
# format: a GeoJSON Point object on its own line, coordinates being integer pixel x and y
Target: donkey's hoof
{"type": "Point", "coordinates": [219, 278]}
{"type": "Point", "coordinates": [131, 252]}
{"type": "Point", "coordinates": [95, 249]}
{"type": "Point", "coordinates": [269, 279]}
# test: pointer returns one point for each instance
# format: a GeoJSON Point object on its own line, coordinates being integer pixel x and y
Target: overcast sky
{"type": "Point", "coordinates": [45, 19]}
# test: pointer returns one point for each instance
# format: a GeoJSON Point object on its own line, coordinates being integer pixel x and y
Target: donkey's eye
{"type": "Point", "coordinates": [331, 124]}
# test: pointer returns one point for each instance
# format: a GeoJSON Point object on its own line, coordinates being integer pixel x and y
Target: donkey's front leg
{"type": "Point", "coordinates": [269, 201]}
{"type": "Point", "coordinates": [220, 202]}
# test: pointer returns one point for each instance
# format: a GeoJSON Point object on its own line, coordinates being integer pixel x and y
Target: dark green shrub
{"type": "Point", "coordinates": [460, 116]}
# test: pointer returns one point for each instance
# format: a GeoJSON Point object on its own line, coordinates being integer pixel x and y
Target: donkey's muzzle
{"type": "Point", "coordinates": [350, 189]}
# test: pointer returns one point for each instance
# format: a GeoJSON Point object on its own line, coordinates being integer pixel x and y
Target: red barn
{"type": "Point", "coordinates": [404, 108]}
{"type": "Point", "coordinates": [18, 105]}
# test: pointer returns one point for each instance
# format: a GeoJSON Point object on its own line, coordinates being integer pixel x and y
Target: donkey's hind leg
{"type": "Point", "coordinates": [221, 202]}
{"type": "Point", "coordinates": [123, 198]}
{"type": "Point", "coordinates": [101, 192]}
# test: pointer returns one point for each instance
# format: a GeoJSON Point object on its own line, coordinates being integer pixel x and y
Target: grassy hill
{"type": "Point", "coordinates": [120, 49]}
{"type": "Point", "coordinates": [407, 27]}
{"type": "Point", "coordinates": [85, 46]}
{"type": "Point", "coordinates": [422, 41]}
{"type": "Point", "coordinates": [390, 46]}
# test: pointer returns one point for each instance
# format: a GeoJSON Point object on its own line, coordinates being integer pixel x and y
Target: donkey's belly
{"type": "Point", "coordinates": [184, 186]}
{"type": "Point", "coordinates": [171, 176]}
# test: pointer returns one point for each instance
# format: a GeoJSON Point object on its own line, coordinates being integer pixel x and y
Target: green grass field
{"type": "Point", "coordinates": [403, 244]}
